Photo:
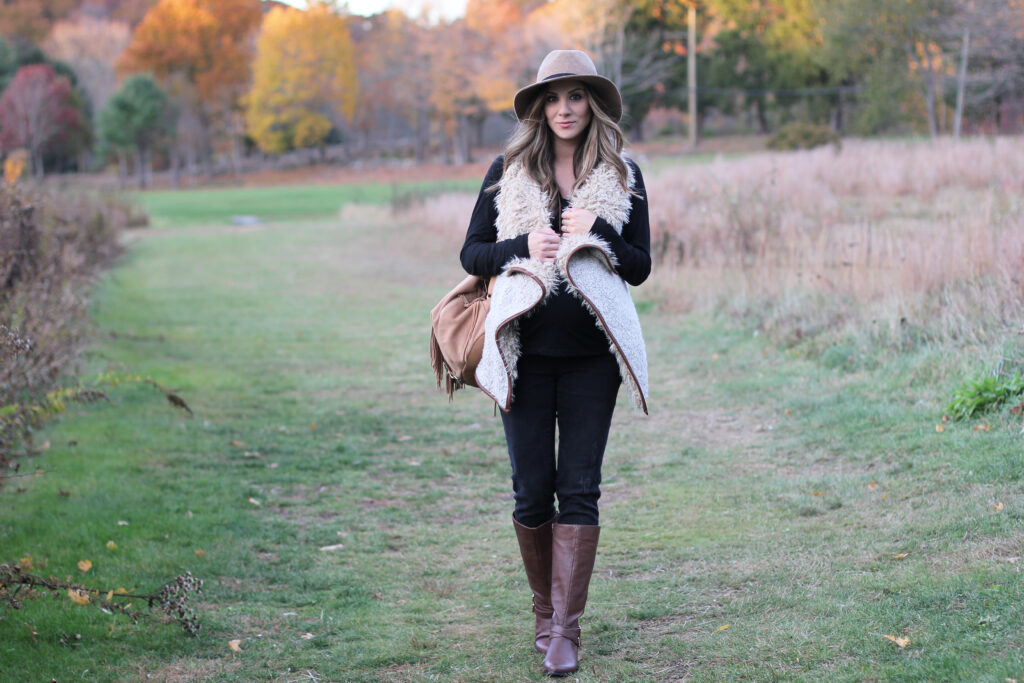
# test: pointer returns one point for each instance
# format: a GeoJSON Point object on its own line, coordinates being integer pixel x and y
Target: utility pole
{"type": "Point", "coordinates": [691, 70]}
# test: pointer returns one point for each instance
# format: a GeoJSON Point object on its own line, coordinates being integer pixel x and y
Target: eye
{"type": "Point", "coordinates": [576, 96]}
{"type": "Point", "coordinates": [551, 98]}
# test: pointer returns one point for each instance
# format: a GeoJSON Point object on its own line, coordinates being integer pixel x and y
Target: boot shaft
{"type": "Point", "coordinates": [573, 551]}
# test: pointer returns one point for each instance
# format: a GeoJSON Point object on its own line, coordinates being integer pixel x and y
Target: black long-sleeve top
{"type": "Point", "coordinates": [561, 326]}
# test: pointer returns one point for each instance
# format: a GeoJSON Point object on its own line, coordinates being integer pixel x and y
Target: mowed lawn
{"type": "Point", "coordinates": [773, 519]}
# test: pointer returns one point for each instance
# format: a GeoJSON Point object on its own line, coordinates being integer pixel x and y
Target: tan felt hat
{"type": "Point", "coordinates": [563, 65]}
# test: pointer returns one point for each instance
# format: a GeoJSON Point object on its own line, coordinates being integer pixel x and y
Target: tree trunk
{"type": "Point", "coordinates": [928, 73]}
{"type": "Point", "coordinates": [961, 79]}
{"type": "Point", "coordinates": [175, 168]}
{"type": "Point", "coordinates": [691, 73]}
{"type": "Point", "coordinates": [122, 169]}
{"type": "Point", "coordinates": [762, 119]}
{"type": "Point", "coordinates": [422, 134]}
{"type": "Point", "coordinates": [140, 166]}
{"type": "Point", "coordinates": [37, 161]}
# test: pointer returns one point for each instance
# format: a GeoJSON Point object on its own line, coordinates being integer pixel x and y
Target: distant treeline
{"type": "Point", "coordinates": [204, 86]}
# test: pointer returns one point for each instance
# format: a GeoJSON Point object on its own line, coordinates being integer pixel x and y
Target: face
{"type": "Point", "coordinates": [567, 109]}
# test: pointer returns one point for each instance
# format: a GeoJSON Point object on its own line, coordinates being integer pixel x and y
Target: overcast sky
{"type": "Point", "coordinates": [448, 9]}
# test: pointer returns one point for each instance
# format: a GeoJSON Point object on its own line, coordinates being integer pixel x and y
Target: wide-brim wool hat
{"type": "Point", "coordinates": [565, 65]}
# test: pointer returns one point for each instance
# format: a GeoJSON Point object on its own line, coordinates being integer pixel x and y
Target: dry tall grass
{"type": "Point", "coordinates": [881, 236]}
{"type": "Point", "coordinates": [903, 241]}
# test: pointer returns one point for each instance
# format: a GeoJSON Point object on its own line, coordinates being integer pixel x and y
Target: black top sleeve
{"type": "Point", "coordinates": [632, 248]}
{"type": "Point", "coordinates": [481, 253]}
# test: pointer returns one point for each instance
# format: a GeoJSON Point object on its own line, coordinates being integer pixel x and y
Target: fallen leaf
{"type": "Point", "coordinates": [110, 595]}
{"type": "Point", "coordinates": [252, 454]}
{"type": "Point", "coordinates": [312, 426]}
{"type": "Point", "coordinates": [306, 636]}
{"type": "Point", "coordinates": [84, 565]}
{"type": "Point", "coordinates": [45, 446]}
{"type": "Point", "coordinates": [25, 564]}
{"type": "Point", "coordinates": [900, 641]}
{"type": "Point", "coordinates": [336, 546]}
{"type": "Point", "coordinates": [998, 506]}
{"type": "Point", "coordinates": [64, 492]}
{"type": "Point", "coordinates": [900, 556]}
{"type": "Point", "coordinates": [122, 523]}
{"type": "Point", "coordinates": [254, 501]}
{"type": "Point", "coordinates": [238, 444]}
{"type": "Point", "coordinates": [378, 596]}
{"type": "Point", "coordinates": [272, 466]}
{"type": "Point", "coordinates": [817, 493]}
{"type": "Point", "coordinates": [200, 552]}
{"type": "Point", "coordinates": [111, 545]}
{"type": "Point", "coordinates": [121, 591]}
{"type": "Point", "coordinates": [233, 644]}
{"type": "Point", "coordinates": [405, 438]}
{"type": "Point", "coordinates": [872, 486]}
{"type": "Point", "coordinates": [940, 428]}
{"type": "Point", "coordinates": [721, 628]}
{"type": "Point", "coordinates": [789, 411]}
{"type": "Point", "coordinates": [982, 428]}
{"type": "Point", "coordinates": [79, 597]}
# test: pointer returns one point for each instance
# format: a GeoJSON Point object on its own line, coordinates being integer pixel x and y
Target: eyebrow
{"type": "Point", "coordinates": [571, 92]}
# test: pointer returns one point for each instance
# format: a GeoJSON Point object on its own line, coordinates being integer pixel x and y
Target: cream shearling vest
{"type": "Point", "coordinates": [585, 263]}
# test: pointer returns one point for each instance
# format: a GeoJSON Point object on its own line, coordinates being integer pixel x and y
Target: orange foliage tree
{"type": "Point", "coordinates": [304, 78]}
{"type": "Point", "coordinates": [200, 52]}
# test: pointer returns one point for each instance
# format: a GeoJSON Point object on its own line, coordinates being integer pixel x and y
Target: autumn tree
{"type": "Point", "coordinates": [136, 118]}
{"type": "Point", "coordinates": [31, 20]}
{"type": "Point", "coordinates": [394, 79]}
{"type": "Point", "coordinates": [91, 47]}
{"type": "Point", "coordinates": [304, 78]}
{"type": "Point", "coordinates": [36, 109]}
{"type": "Point", "coordinates": [199, 50]}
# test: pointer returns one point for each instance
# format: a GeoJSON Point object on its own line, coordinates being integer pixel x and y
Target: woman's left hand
{"type": "Point", "coordinates": [577, 221]}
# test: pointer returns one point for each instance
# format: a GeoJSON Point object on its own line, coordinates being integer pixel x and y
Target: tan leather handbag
{"type": "Point", "coordinates": [457, 333]}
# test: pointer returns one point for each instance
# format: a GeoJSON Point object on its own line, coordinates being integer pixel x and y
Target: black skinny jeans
{"type": "Point", "coordinates": [578, 394]}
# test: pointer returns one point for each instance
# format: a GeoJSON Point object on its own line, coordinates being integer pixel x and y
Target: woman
{"type": "Point", "coordinates": [562, 216]}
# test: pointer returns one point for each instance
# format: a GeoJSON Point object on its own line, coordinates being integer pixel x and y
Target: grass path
{"type": "Point", "coordinates": [773, 519]}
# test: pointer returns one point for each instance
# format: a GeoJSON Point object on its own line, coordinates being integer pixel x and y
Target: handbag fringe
{"type": "Point", "coordinates": [441, 369]}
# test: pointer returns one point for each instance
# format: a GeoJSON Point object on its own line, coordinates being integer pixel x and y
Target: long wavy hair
{"type": "Point", "coordinates": [532, 143]}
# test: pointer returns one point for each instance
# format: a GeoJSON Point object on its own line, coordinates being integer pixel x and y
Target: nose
{"type": "Point", "coordinates": [563, 106]}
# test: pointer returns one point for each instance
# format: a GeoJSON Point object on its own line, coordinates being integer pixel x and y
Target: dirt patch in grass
{"type": "Point", "coordinates": [185, 670]}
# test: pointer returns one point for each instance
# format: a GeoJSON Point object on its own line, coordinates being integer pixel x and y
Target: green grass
{"type": "Point", "coordinates": [809, 506]}
{"type": "Point", "coordinates": [279, 203]}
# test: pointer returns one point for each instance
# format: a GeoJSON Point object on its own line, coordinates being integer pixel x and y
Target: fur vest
{"type": "Point", "coordinates": [585, 263]}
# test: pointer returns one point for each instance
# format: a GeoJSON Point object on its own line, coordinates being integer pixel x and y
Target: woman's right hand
{"type": "Point", "coordinates": [544, 245]}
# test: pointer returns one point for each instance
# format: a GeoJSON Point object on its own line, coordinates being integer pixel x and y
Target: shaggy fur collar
{"type": "Point", "coordinates": [584, 262]}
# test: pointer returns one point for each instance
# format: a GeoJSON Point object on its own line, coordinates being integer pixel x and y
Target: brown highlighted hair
{"type": "Point", "coordinates": [532, 143]}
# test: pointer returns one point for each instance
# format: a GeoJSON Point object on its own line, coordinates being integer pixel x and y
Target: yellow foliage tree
{"type": "Point", "coordinates": [304, 78]}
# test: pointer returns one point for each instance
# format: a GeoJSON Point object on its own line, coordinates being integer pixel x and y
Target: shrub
{"type": "Point", "coordinates": [798, 135]}
{"type": "Point", "coordinates": [51, 250]}
{"type": "Point", "coordinates": [984, 394]}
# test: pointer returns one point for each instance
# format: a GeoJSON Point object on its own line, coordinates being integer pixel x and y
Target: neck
{"type": "Point", "coordinates": [565, 150]}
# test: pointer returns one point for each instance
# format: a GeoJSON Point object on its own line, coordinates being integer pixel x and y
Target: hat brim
{"type": "Point", "coordinates": [602, 88]}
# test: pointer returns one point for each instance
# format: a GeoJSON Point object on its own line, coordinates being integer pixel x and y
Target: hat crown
{"type": "Point", "coordinates": [566, 63]}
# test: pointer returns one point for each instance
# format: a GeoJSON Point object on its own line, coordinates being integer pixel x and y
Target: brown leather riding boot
{"type": "Point", "coordinates": [535, 546]}
{"type": "Point", "coordinates": [574, 548]}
